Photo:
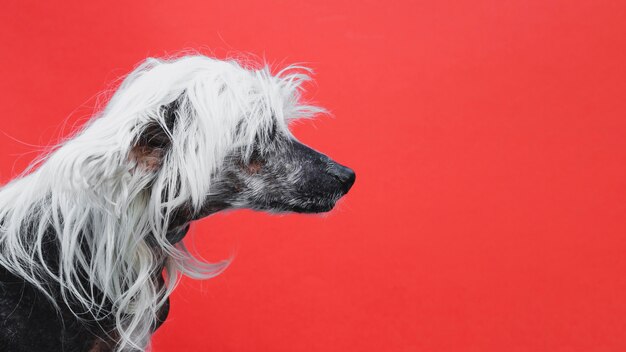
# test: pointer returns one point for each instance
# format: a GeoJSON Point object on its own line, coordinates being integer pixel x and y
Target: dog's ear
{"type": "Point", "coordinates": [155, 139]}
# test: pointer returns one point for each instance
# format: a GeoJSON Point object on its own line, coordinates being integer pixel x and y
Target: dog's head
{"type": "Point", "coordinates": [222, 139]}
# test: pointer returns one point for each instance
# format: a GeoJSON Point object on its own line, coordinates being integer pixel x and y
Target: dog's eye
{"type": "Point", "coordinates": [255, 163]}
{"type": "Point", "coordinates": [254, 167]}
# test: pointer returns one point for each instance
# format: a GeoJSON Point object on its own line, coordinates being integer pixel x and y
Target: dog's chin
{"type": "Point", "coordinates": [313, 209]}
{"type": "Point", "coordinates": [310, 206]}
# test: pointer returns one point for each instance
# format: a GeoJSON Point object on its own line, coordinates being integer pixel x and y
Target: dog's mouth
{"type": "Point", "coordinates": [314, 208]}
{"type": "Point", "coordinates": [313, 204]}
{"type": "Point", "coordinates": [302, 205]}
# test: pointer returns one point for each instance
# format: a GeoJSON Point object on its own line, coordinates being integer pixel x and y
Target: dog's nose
{"type": "Point", "coordinates": [344, 174]}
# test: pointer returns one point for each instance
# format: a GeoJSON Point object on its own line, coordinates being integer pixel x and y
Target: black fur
{"type": "Point", "coordinates": [30, 323]}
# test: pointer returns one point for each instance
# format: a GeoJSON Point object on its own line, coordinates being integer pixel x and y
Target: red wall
{"type": "Point", "coordinates": [489, 141]}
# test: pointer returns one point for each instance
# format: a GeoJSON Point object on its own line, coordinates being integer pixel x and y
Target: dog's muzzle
{"type": "Point", "coordinates": [323, 180]}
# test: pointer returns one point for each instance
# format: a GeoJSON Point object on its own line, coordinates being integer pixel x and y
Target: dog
{"type": "Point", "coordinates": [90, 235]}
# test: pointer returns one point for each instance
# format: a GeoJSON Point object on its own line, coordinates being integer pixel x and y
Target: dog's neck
{"type": "Point", "coordinates": [96, 333]}
{"type": "Point", "coordinates": [183, 216]}
{"type": "Point", "coordinates": [177, 234]}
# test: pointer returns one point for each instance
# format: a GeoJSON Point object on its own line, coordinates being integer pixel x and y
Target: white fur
{"type": "Point", "coordinates": [89, 189]}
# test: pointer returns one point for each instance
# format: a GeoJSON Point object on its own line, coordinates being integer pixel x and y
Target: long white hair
{"type": "Point", "coordinates": [109, 212]}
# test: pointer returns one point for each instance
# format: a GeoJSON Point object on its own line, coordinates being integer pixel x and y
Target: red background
{"type": "Point", "coordinates": [488, 139]}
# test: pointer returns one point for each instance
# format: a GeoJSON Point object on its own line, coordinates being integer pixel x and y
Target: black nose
{"type": "Point", "coordinates": [344, 174]}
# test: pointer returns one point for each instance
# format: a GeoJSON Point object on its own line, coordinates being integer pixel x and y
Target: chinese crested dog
{"type": "Point", "coordinates": [90, 237]}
